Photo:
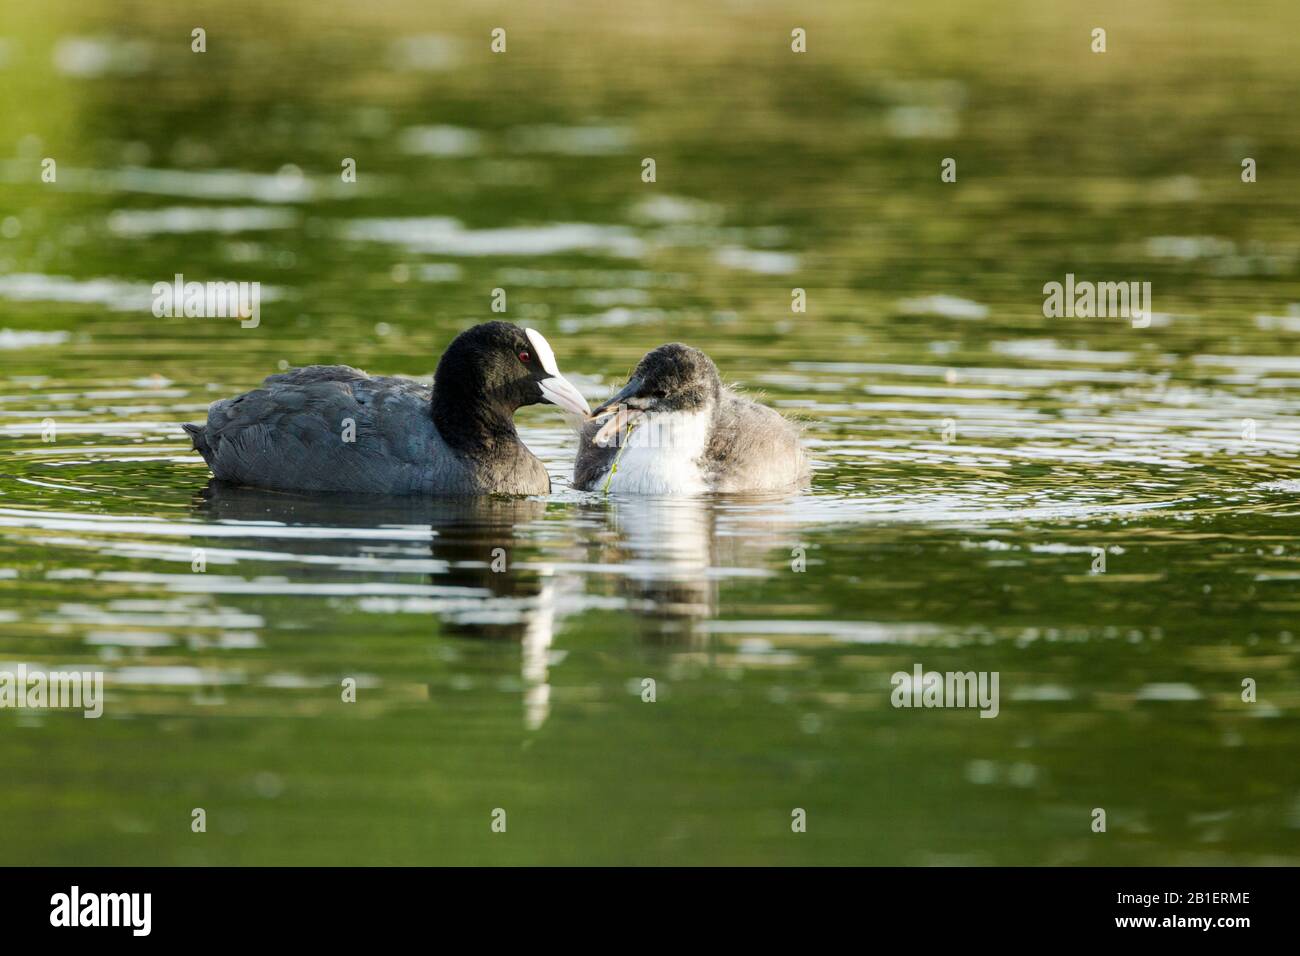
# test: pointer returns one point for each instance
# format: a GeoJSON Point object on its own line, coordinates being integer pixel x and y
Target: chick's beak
{"type": "Point", "coordinates": [628, 395]}
{"type": "Point", "coordinates": [623, 410]}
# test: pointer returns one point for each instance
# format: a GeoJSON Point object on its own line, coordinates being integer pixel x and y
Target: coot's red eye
{"type": "Point", "coordinates": [525, 357]}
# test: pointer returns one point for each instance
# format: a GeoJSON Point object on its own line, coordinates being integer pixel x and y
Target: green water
{"type": "Point", "coordinates": [972, 455]}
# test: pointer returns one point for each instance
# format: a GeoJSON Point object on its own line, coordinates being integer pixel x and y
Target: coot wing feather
{"type": "Point", "coordinates": [294, 432]}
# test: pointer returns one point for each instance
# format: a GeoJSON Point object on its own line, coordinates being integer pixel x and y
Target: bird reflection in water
{"type": "Point", "coordinates": [665, 557]}
{"type": "Point", "coordinates": [668, 556]}
{"type": "Point", "coordinates": [478, 546]}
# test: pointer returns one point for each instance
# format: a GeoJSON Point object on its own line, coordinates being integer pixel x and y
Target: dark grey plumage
{"type": "Point", "coordinates": [455, 437]}
{"type": "Point", "coordinates": [592, 462]}
{"type": "Point", "coordinates": [290, 434]}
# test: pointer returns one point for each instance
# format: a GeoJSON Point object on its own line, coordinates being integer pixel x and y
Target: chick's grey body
{"type": "Point", "coordinates": [691, 434]}
{"type": "Point", "coordinates": [333, 428]}
{"type": "Point", "coordinates": [753, 448]}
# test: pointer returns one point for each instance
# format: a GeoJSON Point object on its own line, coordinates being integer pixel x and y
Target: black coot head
{"type": "Point", "coordinates": [501, 365]}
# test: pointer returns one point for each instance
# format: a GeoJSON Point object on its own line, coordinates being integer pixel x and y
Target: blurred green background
{"type": "Point", "coordinates": [1172, 448]}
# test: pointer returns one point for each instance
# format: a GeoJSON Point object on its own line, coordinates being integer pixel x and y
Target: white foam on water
{"type": "Point", "coordinates": [87, 57]}
{"type": "Point", "coordinates": [185, 219]}
{"type": "Point", "coordinates": [761, 261]}
{"type": "Point", "coordinates": [119, 295]}
{"type": "Point", "coordinates": [572, 140]}
{"type": "Point", "coordinates": [428, 52]}
{"type": "Point", "coordinates": [443, 235]}
{"type": "Point", "coordinates": [944, 306]}
{"type": "Point", "coordinates": [26, 338]}
{"type": "Point", "coordinates": [440, 140]}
